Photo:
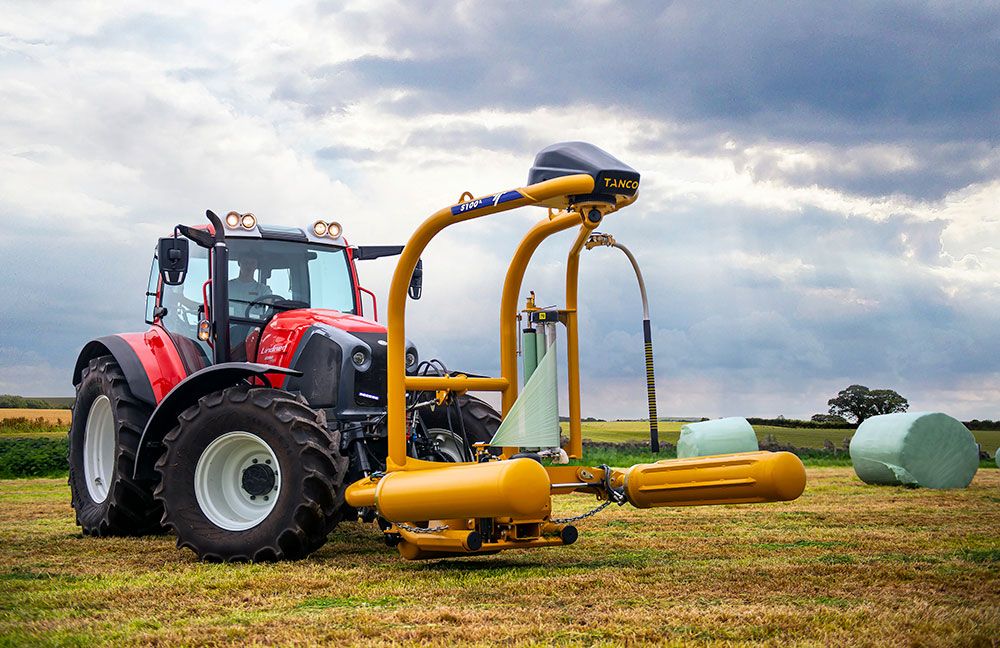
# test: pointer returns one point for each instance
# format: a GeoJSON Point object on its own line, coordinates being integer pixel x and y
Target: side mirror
{"type": "Point", "coordinates": [417, 280]}
{"type": "Point", "coordinates": [172, 255]}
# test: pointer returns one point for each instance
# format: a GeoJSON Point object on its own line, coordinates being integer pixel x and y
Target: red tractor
{"type": "Point", "coordinates": [258, 354]}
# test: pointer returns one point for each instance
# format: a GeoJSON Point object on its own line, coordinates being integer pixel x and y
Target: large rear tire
{"type": "Point", "coordinates": [251, 474]}
{"type": "Point", "coordinates": [107, 424]}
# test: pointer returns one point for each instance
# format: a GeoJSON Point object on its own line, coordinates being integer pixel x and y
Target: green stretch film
{"type": "Point", "coordinates": [529, 352]}
{"type": "Point", "coordinates": [928, 449]}
{"type": "Point", "coordinates": [542, 344]}
{"type": "Point", "coordinates": [719, 436]}
{"type": "Point", "coordinates": [533, 421]}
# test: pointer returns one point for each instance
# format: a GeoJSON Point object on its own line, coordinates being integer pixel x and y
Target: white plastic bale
{"type": "Point", "coordinates": [928, 449]}
{"type": "Point", "coordinates": [533, 421]}
{"type": "Point", "coordinates": [719, 436]}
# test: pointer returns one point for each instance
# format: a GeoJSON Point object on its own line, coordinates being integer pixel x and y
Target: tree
{"type": "Point", "coordinates": [828, 418]}
{"type": "Point", "coordinates": [859, 403]}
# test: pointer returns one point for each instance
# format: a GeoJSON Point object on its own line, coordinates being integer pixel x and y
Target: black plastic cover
{"type": "Point", "coordinates": [366, 252]}
{"type": "Point", "coordinates": [320, 363]}
{"type": "Point", "coordinates": [173, 258]}
{"type": "Point", "coordinates": [612, 177]}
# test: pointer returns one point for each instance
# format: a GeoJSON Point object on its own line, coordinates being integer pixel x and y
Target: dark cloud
{"type": "Point", "coordinates": [850, 72]}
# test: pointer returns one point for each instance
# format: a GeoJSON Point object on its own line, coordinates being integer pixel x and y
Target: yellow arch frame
{"type": "Point", "coordinates": [550, 192]}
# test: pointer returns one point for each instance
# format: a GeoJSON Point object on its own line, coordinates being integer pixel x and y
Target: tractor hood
{"type": "Point", "coordinates": [342, 358]}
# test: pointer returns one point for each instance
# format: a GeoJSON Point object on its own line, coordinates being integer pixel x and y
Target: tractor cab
{"type": "Point", "coordinates": [269, 270]}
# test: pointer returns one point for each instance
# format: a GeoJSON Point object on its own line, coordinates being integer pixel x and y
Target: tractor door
{"type": "Point", "coordinates": [182, 307]}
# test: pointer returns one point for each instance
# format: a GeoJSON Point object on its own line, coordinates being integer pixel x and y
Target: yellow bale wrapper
{"type": "Point", "coordinates": [430, 510]}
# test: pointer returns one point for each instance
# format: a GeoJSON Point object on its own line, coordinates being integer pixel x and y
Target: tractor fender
{"type": "Point", "coordinates": [127, 359]}
{"type": "Point", "coordinates": [185, 394]}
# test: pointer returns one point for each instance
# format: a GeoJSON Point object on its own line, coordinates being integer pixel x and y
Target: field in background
{"type": "Point", "coordinates": [51, 416]}
{"type": "Point", "coordinates": [56, 420]}
{"type": "Point", "coordinates": [844, 564]}
{"type": "Point", "coordinates": [638, 431]}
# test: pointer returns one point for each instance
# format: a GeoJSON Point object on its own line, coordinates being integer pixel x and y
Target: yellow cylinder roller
{"type": "Point", "coordinates": [742, 478]}
{"type": "Point", "coordinates": [518, 488]}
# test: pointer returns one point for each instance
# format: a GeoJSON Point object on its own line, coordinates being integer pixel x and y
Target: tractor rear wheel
{"type": "Point", "coordinates": [107, 424]}
{"type": "Point", "coordinates": [251, 474]}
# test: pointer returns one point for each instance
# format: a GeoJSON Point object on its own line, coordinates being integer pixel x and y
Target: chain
{"type": "Point", "coordinates": [413, 529]}
{"type": "Point", "coordinates": [615, 496]}
{"type": "Point", "coordinates": [583, 516]}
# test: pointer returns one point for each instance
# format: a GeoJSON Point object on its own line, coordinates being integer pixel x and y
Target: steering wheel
{"type": "Point", "coordinates": [270, 301]}
{"type": "Point", "coordinates": [267, 301]}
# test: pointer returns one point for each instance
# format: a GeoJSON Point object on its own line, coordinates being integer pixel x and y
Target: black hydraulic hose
{"type": "Point", "coordinates": [654, 432]}
{"type": "Point", "coordinates": [647, 333]}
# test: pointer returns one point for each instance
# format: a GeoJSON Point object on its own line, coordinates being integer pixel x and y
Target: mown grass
{"type": "Point", "coordinates": [845, 564]}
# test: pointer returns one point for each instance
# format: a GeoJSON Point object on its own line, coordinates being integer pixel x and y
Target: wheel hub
{"type": "Point", "coordinates": [258, 479]}
{"type": "Point", "coordinates": [237, 481]}
{"type": "Point", "coordinates": [99, 445]}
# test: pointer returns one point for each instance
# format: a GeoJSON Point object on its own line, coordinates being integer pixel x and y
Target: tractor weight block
{"type": "Point", "coordinates": [743, 478]}
{"type": "Point", "coordinates": [516, 488]}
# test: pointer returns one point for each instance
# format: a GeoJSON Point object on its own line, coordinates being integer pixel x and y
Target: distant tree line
{"type": "Point", "coordinates": [20, 402]}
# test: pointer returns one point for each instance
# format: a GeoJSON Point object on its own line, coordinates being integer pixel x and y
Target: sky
{"type": "Point", "coordinates": [819, 199]}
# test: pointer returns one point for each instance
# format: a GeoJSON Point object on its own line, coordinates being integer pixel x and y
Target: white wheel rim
{"type": "Point", "coordinates": [99, 449]}
{"type": "Point", "coordinates": [448, 444]}
{"type": "Point", "coordinates": [219, 481]}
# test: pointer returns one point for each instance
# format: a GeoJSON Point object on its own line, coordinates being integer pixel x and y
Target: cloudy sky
{"type": "Point", "coordinates": [819, 206]}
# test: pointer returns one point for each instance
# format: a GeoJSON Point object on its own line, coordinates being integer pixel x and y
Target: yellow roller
{"type": "Point", "coordinates": [518, 488]}
{"type": "Point", "coordinates": [723, 479]}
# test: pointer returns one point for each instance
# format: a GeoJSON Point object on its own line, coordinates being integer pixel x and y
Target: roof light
{"type": "Point", "coordinates": [248, 221]}
{"type": "Point", "coordinates": [232, 219]}
{"type": "Point", "coordinates": [319, 228]}
{"type": "Point", "coordinates": [334, 230]}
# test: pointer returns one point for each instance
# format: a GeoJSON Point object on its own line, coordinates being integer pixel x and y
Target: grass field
{"type": "Point", "coordinates": [621, 431]}
{"type": "Point", "coordinates": [844, 564]}
{"type": "Point", "coordinates": [609, 431]}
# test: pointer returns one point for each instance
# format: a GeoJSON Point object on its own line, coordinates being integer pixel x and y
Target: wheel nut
{"type": "Point", "coordinates": [265, 498]}
{"type": "Point", "coordinates": [255, 461]}
{"type": "Point", "coordinates": [253, 497]}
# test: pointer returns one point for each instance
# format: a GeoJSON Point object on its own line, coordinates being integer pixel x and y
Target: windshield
{"type": "Point", "coordinates": [268, 276]}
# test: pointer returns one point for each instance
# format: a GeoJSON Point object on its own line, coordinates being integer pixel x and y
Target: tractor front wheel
{"type": "Point", "coordinates": [251, 474]}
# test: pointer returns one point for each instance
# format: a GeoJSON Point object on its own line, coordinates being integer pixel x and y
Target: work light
{"type": "Point", "coordinates": [249, 221]}
{"type": "Point", "coordinates": [334, 230]}
{"type": "Point", "coordinates": [232, 219]}
{"type": "Point", "coordinates": [319, 228]}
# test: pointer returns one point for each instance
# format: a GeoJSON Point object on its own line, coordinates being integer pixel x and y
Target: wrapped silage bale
{"type": "Point", "coordinates": [720, 436]}
{"type": "Point", "coordinates": [928, 449]}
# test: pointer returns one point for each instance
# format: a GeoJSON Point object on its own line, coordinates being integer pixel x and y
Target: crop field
{"type": "Point", "coordinates": [50, 416]}
{"type": "Point", "coordinates": [845, 564]}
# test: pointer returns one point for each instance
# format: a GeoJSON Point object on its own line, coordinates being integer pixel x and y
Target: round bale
{"type": "Point", "coordinates": [720, 436]}
{"type": "Point", "coordinates": [928, 449]}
